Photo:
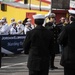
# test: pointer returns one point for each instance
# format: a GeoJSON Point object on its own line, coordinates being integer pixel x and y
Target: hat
{"type": "Point", "coordinates": [39, 16]}
{"type": "Point", "coordinates": [27, 23]}
{"type": "Point", "coordinates": [51, 15]}
{"type": "Point", "coordinates": [12, 19]}
{"type": "Point", "coordinates": [72, 12]}
{"type": "Point", "coordinates": [3, 18]}
{"type": "Point", "coordinates": [28, 19]}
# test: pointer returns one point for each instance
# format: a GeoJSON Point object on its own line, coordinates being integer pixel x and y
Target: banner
{"type": "Point", "coordinates": [12, 44]}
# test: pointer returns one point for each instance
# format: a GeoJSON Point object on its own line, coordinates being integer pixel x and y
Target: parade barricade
{"type": "Point", "coordinates": [12, 44]}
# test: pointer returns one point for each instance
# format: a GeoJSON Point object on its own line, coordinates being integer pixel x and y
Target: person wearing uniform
{"type": "Point", "coordinates": [51, 25]}
{"type": "Point", "coordinates": [4, 28]}
{"type": "Point", "coordinates": [38, 44]}
{"type": "Point", "coordinates": [29, 20]}
{"type": "Point", "coordinates": [20, 27]}
{"type": "Point", "coordinates": [67, 39]}
{"type": "Point", "coordinates": [12, 20]}
{"type": "Point", "coordinates": [0, 26]}
{"type": "Point", "coordinates": [13, 29]}
{"type": "Point", "coordinates": [27, 27]}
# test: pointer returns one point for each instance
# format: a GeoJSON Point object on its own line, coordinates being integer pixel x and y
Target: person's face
{"type": "Point", "coordinates": [12, 21]}
{"type": "Point", "coordinates": [62, 20]}
{"type": "Point", "coordinates": [53, 19]}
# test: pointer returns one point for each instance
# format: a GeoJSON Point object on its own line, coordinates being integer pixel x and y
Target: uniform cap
{"type": "Point", "coordinates": [72, 12]}
{"type": "Point", "coordinates": [28, 19]}
{"type": "Point", "coordinates": [3, 18]}
{"type": "Point", "coordinates": [19, 21]}
{"type": "Point", "coordinates": [39, 16]}
{"type": "Point", "coordinates": [12, 19]}
{"type": "Point", "coordinates": [52, 15]}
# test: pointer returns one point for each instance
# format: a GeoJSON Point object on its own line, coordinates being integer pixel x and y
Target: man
{"type": "Point", "coordinates": [61, 24]}
{"type": "Point", "coordinates": [13, 29]}
{"type": "Point", "coordinates": [67, 39]}
{"type": "Point", "coordinates": [20, 27]}
{"type": "Point", "coordinates": [51, 25]}
{"type": "Point", "coordinates": [27, 27]}
{"type": "Point", "coordinates": [38, 44]}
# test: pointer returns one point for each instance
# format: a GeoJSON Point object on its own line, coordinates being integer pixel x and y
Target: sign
{"type": "Point", "coordinates": [12, 44]}
{"type": "Point", "coordinates": [61, 4]}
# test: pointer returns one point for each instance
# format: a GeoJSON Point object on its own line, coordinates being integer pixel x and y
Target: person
{"type": "Point", "coordinates": [67, 39]}
{"type": "Point", "coordinates": [20, 27]}
{"type": "Point", "coordinates": [38, 44]}
{"type": "Point", "coordinates": [24, 21]}
{"type": "Point", "coordinates": [4, 29]}
{"type": "Point", "coordinates": [27, 27]}
{"type": "Point", "coordinates": [61, 23]}
{"type": "Point", "coordinates": [12, 20]}
{"type": "Point", "coordinates": [13, 29]}
{"type": "Point", "coordinates": [29, 20]}
{"type": "Point", "coordinates": [51, 25]}
{"type": "Point", "coordinates": [66, 21]}
{"type": "Point", "coordinates": [5, 20]}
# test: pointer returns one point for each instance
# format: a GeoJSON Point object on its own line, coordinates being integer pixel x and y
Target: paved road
{"type": "Point", "coordinates": [17, 65]}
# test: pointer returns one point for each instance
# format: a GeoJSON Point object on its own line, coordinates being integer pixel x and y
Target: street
{"type": "Point", "coordinates": [17, 65]}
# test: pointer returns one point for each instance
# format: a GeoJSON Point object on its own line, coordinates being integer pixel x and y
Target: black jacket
{"type": "Point", "coordinates": [38, 44]}
{"type": "Point", "coordinates": [55, 30]}
{"type": "Point", "coordinates": [67, 39]}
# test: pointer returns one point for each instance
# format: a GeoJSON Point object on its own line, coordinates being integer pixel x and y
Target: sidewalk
{"type": "Point", "coordinates": [21, 69]}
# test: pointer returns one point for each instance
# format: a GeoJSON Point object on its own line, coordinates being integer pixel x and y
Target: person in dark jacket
{"type": "Point", "coordinates": [51, 25]}
{"type": "Point", "coordinates": [38, 44]}
{"type": "Point", "coordinates": [24, 21]}
{"type": "Point", "coordinates": [67, 39]}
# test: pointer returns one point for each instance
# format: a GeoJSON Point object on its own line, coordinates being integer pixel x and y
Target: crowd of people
{"type": "Point", "coordinates": [15, 27]}
{"type": "Point", "coordinates": [48, 39]}
{"type": "Point", "coordinates": [21, 27]}
{"type": "Point", "coordinates": [45, 40]}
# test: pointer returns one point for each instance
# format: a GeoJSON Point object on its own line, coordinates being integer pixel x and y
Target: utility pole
{"type": "Point", "coordinates": [30, 4]}
{"type": "Point", "coordinates": [51, 6]}
{"type": "Point", "coordinates": [40, 5]}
